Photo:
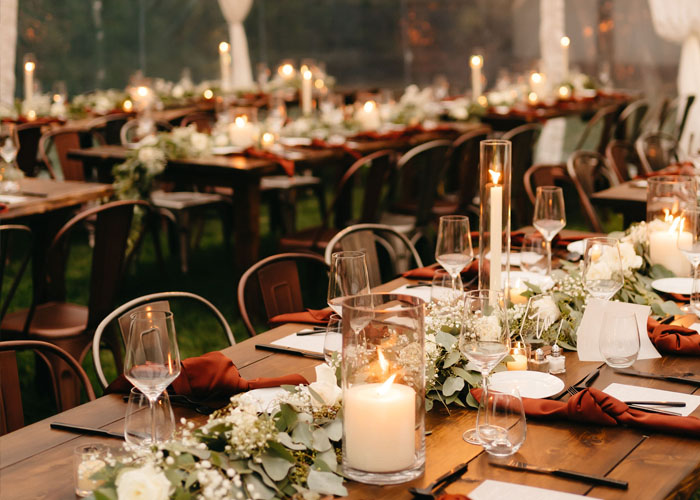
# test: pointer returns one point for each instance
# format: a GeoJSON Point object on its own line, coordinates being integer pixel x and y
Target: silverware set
{"type": "Point", "coordinates": [569, 474]}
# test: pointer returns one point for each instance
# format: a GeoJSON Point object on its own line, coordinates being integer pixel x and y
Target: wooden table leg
{"type": "Point", "coordinates": [246, 225]}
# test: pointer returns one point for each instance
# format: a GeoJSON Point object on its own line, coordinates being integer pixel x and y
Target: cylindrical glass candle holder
{"type": "Point", "coordinates": [494, 220]}
{"type": "Point", "coordinates": [667, 197]}
{"type": "Point", "coordinates": [383, 388]}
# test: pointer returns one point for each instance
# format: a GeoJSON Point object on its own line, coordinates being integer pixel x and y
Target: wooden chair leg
{"type": "Point", "coordinates": [11, 413]}
{"type": "Point", "coordinates": [183, 230]}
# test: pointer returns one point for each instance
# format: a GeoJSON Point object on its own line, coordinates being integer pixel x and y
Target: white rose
{"type": "Point", "coordinates": [326, 387]}
{"type": "Point", "coordinates": [200, 142]}
{"type": "Point", "coordinates": [150, 154]}
{"type": "Point", "coordinates": [547, 310]}
{"type": "Point", "coordinates": [488, 328]}
{"type": "Point", "coordinates": [599, 270]}
{"type": "Point", "coordinates": [145, 483]}
{"type": "Point", "coordinates": [178, 91]}
{"type": "Point", "coordinates": [630, 259]}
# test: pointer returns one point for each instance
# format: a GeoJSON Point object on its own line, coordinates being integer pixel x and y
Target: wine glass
{"type": "Point", "coordinates": [454, 249]}
{"type": "Point", "coordinates": [533, 254]}
{"type": "Point", "coordinates": [333, 341]}
{"type": "Point", "coordinates": [619, 339]}
{"type": "Point", "coordinates": [9, 174]}
{"type": "Point", "coordinates": [602, 267]}
{"type": "Point", "coordinates": [501, 426]}
{"type": "Point", "coordinates": [152, 359]}
{"type": "Point", "coordinates": [348, 277]}
{"type": "Point", "coordinates": [137, 423]}
{"type": "Point", "coordinates": [689, 243]}
{"type": "Point", "coordinates": [484, 340]}
{"type": "Point", "coordinates": [550, 216]}
{"type": "Point", "coordinates": [441, 288]}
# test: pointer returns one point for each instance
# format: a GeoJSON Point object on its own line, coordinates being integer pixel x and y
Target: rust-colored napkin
{"type": "Point", "coordinates": [211, 376]}
{"type": "Point", "coordinates": [287, 165]}
{"type": "Point", "coordinates": [320, 143]}
{"type": "Point", "coordinates": [516, 238]}
{"type": "Point", "coordinates": [428, 272]}
{"type": "Point", "coordinates": [3, 207]}
{"type": "Point", "coordinates": [310, 316]}
{"type": "Point", "coordinates": [596, 407]}
{"type": "Point", "coordinates": [674, 339]}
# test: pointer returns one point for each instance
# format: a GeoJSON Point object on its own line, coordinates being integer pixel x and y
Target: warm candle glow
{"type": "Point", "coordinates": [483, 101]}
{"type": "Point", "coordinates": [476, 61]}
{"type": "Point", "coordinates": [532, 98]}
{"type": "Point", "coordinates": [29, 66]}
{"type": "Point", "coordinates": [224, 47]}
{"type": "Point", "coordinates": [383, 389]}
{"type": "Point", "coordinates": [536, 77]}
{"type": "Point", "coordinates": [565, 41]}
{"type": "Point", "coordinates": [31, 115]}
{"type": "Point", "coordinates": [208, 94]}
{"type": "Point", "coordinates": [286, 70]}
{"type": "Point", "coordinates": [306, 75]}
{"type": "Point", "coordinates": [142, 91]}
{"type": "Point", "coordinates": [564, 92]}
{"type": "Point", "coordinates": [128, 105]}
{"type": "Point", "coordinates": [369, 106]}
{"type": "Point", "coordinates": [383, 363]}
{"type": "Point", "coordinates": [303, 69]}
{"type": "Point", "coordinates": [241, 121]}
{"type": "Point", "coordinates": [494, 176]}
{"type": "Point", "coordinates": [267, 139]}
{"type": "Point", "coordinates": [319, 84]}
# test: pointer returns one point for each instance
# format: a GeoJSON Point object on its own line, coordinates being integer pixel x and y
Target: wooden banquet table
{"type": "Point", "coordinates": [37, 462]}
{"type": "Point", "coordinates": [629, 198]}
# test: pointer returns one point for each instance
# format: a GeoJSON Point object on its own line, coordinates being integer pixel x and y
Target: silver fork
{"type": "Point", "coordinates": [585, 383]}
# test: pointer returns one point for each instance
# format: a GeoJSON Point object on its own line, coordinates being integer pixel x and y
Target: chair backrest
{"type": "Point", "coordinates": [60, 141]}
{"type": "Point", "coordinates": [395, 245]}
{"type": "Point", "coordinates": [203, 121]}
{"type": "Point", "coordinates": [157, 301]}
{"type": "Point", "coordinates": [11, 412]}
{"type": "Point", "coordinates": [273, 286]}
{"type": "Point", "coordinates": [656, 150]}
{"type": "Point", "coordinates": [15, 253]}
{"type": "Point", "coordinates": [112, 230]}
{"type": "Point", "coordinates": [109, 126]}
{"type": "Point", "coordinates": [629, 123]}
{"type": "Point", "coordinates": [524, 140]}
{"type": "Point", "coordinates": [126, 134]}
{"type": "Point", "coordinates": [590, 173]}
{"type": "Point", "coordinates": [419, 171]}
{"type": "Point", "coordinates": [28, 135]}
{"type": "Point", "coordinates": [623, 159]}
{"type": "Point", "coordinates": [599, 129]}
{"type": "Point", "coordinates": [684, 119]}
{"type": "Point", "coordinates": [462, 175]}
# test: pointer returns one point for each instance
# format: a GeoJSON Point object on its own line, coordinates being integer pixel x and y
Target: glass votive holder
{"type": "Point", "coordinates": [138, 430]}
{"type": "Point", "coordinates": [520, 352]}
{"type": "Point", "coordinates": [88, 459]}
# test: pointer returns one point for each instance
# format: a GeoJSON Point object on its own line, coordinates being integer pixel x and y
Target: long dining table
{"type": "Point", "coordinates": [37, 462]}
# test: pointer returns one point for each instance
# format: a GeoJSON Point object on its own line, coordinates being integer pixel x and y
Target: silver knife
{"type": "Point", "coordinates": [569, 474]}
{"type": "Point", "coordinates": [79, 429]}
{"type": "Point", "coordinates": [671, 378]}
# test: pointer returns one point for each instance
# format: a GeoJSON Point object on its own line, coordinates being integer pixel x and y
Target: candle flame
{"type": "Point", "coordinates": [307, 75]}
{"type": "Point", "coordinates": [128, 105]}
{"type": "Point", "coordinates": [369, 106]}
{"type": "Point", "coordinates": [268, 139]}
{"type": "Point", "coordinates": [383, 363]}
{"type": "Point", "coordinates": [318, 84]}
{"type": "Point", "coordinates": [286, 70]}
{"type": "Point", "coordinates": [384, 388]}
{"type": "Point", "coordinates": [677, 225]}
{"type": "Point", "coordinates": [476, 61]}
{"type": "Point", "coordinates": [495, 176]}
{"type": "Point", "coordinates": [536, 77]}
{"type": "Point", "coordinates": [31, 115]}
{"type": "Point", "coordinates": [532, 97]}
{"type": "Point", "coordinates": [142, 91]}
{"type": "Point", "coordinates": [565, 41]}
{"type": "Point", "coordinates": [223, 47]}
{"type": "Point", "coordinates": [208, 94]}
{"type": "Point", "coordinates": [241, 121]}
{"type": "Point", "coordinates": [29, 66]}
{"type": "Point", "coordinates": [564, 91]}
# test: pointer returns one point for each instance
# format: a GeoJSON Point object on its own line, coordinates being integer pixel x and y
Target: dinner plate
{"type": "Point", "coordinates": [542, 281]}
{"type": "Point", "coordinates": [684, 286]}
{"type": "Point", "coordinates": [295, 141]}
{"type": "Point", "coordinates": [577, 247]}
{"type": "Point", "coordinates": [226, 150]}
{"type": "Point", "coordinates": [536, 385]}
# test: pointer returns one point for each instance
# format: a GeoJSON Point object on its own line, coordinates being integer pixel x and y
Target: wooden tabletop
{"type": "Point", "coordinates": [656, 465]}
{"type": "Point", "coordinates": [45, 195]}
{"type": "Point", "coordinates": [629, 198]}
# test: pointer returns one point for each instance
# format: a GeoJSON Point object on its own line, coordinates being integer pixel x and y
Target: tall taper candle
{"type": "Point", "coordinates": [476, 62]}
{"type": "Point", "coordinates": [495, 233]}
{"type": "Point", "coordinates": [29, 68]}
{"type": "Point", "coordinates": [306, 83]}
{"type": "Point", "coordinates": [565, 42]}
{"type": "Point", "coordinates": [225, 63]}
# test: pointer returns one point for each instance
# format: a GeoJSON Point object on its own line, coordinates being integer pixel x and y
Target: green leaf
{"type": "Point", "coordinates": [275, 466]}
{"type": "Point", "coordinates": [286, 440]}
{"type": "Point", "coordinates": [175, 476]}
{"type": "Point", "coordinates": [428, 404]}
{"type": "Point", "coordinates": [302, 434]}
{"type": "Point", "coordinates": [286, 418]}
{"type": "Point", "coordinates": [315, 395]}
{"type": "Point", "coordinates": [452, 385]}
{"type": "Point", "coordinates": [201, 454]}
{"type": "Point", "coordinates": [471, 401]}
{"type": "Point", "coordinates": [260, 475]}
{"type": "Point", "coordinates": [105, 494]}
{"type": "Point", "coordinates": [445, 339]}
{"type": "Point", "coordinates": [259, 490]}
{"type": "Point", "coordinates": [451, 358]}
{"type": "Point", "coordinates": [334, 429]}
{"type": "Point", "coordinates": [280, 451]}
{"type": "Point", "coordinates": [327, 458]}
{"type": "Point", "coordinates": [326, 483]}
{"type": "Point", "coordinates": [320, 440]}
{"type": "Point", "coordinates": [289, 388]}
{"type": "Point", "coordinates": [181, 494]}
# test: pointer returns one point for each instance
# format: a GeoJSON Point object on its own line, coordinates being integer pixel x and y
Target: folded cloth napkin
{"type": "Point", "coordinates": [561, 241]}
{"type": "Point", "coordinates": [287, 165]}
{"type": "Point", "coordinates": [452, 496]}
{"type": "Point", "coordinates": [310, 316]}
{"type": "Point", "coordinates": [3, 207]}
{"type": "Point", "coordinates": [428, 272]}
{"type": "Point", "coordinates": [211, 376]}
{"type": "Point", "coordinates": [319, 143]}
{"type": "Point", "coordinates": [674, 339]}
{"type": "Point", "coordinates": [596, 407]}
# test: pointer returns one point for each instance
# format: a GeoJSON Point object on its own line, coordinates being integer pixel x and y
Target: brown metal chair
{"type": "Point", "coordinates": [127, 131]}
{"type": "Point", "coordinates": [629, 123]}
{"type": "Point", "coordinates": [599, 129]}
{"type": "Point", "coordinates": [109, 127]}
{"type": "Point", "coordinates": [656, 150]}
{"type": "Point", "coordinates": [11, 412]}
{"type": "Point", "coordinates": [16, 243]}
{"type": "Point", "coordinates": [373, 172]}
{"type": "Point", "coordinates": [623, 159]}
{"type": "Point", "coordinates": [524, 140]}
{"type": "Point", "coordinates": [28, 136]}
{"type": "Point", "coordinates": [590, 173]}
{"type": "Point", "coordinates": [69, 325]}
{"type": "Point", "coordinates": [61, 140]}
{"type": "Point", "coordinates": [273, 286]}
{"type": "Point", "coordinates": [203, 121]}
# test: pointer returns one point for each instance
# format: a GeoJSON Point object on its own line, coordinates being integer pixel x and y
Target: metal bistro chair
{"type": "Point", "coordinates": [28, 136]}
{"type": "Point", "coordinates": [623, 159]}
{"type": "Point", "coordinates": [109, 127]}
{"type": "Point", "coordinates": [154, 301]}
{"type": "Point", "coordinates": [590, 173]}
{"type": "Point", "coordinates": [629, 123]}
{"type": "Point", "coordinates": [656, 150]}
{"type": "Point", "coordinates": [60, 141]}
{"type": "Point", "coordinates": [16, 243]}
{"type": "Point", "coordinates": [127, 131]}
{"type": "Point", "coordinates": [524, 141]}
{"type": "Point", "coordinates": [273, 286]}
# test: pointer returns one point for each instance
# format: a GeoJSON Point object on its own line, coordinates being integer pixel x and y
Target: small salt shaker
{"type": "Point", "coordinates": [539, 364]}
{"type": "Point", "coordinates": [557, 362]}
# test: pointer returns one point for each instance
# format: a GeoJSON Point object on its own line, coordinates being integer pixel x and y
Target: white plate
{"type": "Point", "coordinates": [639, 183]}
{"type": "Point", "coordinates": [536, 385]}
{"type": "Point", "coordinates": [683, 286]}
{"type": "Point", "coordinates": [226, 150]}
{"type": "Point", "coordinates": [544, 282]}
{"type": "Point", "coordinates": [577, 247]}
{"type": "Point", "coordinates": [514, 258]}
{"type": "Point", "coordinates": [295, 141]}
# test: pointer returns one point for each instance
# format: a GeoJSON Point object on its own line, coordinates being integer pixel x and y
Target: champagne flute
{"type": "Point", "coordinates": [348, 277]}
{"type": "Point", "coordinates": [689, 243]}
{"type": "Point", "coordinates": [602, 267]}
{"type": "Point", "coordinates": [550, 216]}
{"type": "Point", "coordinates": [152, 359]}
{"type": "Point", "coordinates": [8, 146]}
{"type": "Point", "coordinates": [454, 249]}
{"type": "Point", "coordinates": [484, 340]}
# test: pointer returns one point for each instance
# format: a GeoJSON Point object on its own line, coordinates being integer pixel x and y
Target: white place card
{"type": "Point", "coordinates": [625, 392]}
{"type": "Point", "coordinates": [590, 329]}
{"type": "Point", "coordinates": [489, 490]}
{"type": "Point", "coordinates": [313, 343]}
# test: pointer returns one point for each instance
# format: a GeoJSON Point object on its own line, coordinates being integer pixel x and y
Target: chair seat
{"type": "Point", "coordinates": [313, 238]}
{"type": "Point", "coordinates": [53, 320]}
{"type": "Point", "coordinates": [286, 182]}
{"type": "Point", "coordinates": [181, 200]}
{"type": "Point", "coordinates": [404, 224]}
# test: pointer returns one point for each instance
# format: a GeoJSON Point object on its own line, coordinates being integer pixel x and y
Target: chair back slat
{"type": "Point", "coordinates": [125, 319]}
{"type": "Point", "coordinates": [109, 127]}
{"type": "Point", "coordinates": [16, 243]}
{"type": "Point", "coordinates": [656, 150]}
{"type": "Point", "coordinates": [523, 142]}
{"type": "Point", "coordinates": [463, 168]}
{"type": "Point", "coordinates": [280, 288]}
{"type": "Point", "coordinates": [28, 136]}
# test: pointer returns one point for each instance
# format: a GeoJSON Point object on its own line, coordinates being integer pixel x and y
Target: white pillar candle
{"type": "Point", "coordinates": [538, 84]}
{"type": "Point", "coordinates": [476, 62]}
{"type": "Point", "coordinates": [368, 116]}
{"type": "Point", "coordinates": [519, 362]}
{"type": "Point", "coordinates": [306, 83]}
{"type": "Point", "coordinates": [663, 249]}
{"type": "Point", "coordinates": [565, 42]}
{"type": "Point", "coordinates": [495, 232]}
{"type": "Point", "coordinates": [85, 470]}
{"type": "Point", "coordinates": [225, 64]}
{"type": "Point", "coordinates": [380, 422]}
{"type": "Point", "coordinates": [29, 68]}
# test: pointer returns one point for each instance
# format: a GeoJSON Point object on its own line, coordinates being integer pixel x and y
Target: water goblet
{"type": "Point", "coordinates": [619, 339]}
{"type": "Point", "coordinates": [602, 274]}
{"type": "Point", "coordinates": [138, 430]}
{"type": "Point", "coordinates": [348, 276]}
{"type": "Point", "coordinates": [454, 249]}
{"type": "Point", "coordinates": [333, 341]}
{"type": "Point", "coordinates": [549, 217]}
{"type": "Point", "coordinates": [501, 425]}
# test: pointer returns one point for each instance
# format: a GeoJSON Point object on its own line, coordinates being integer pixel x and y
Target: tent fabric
{"type": "Point", "coordinates": [551, 31]}
{"type": "Point", "coordinates": [235, 12]}
{"type": "Point", "coordinates": [679, 21]}
{"type": "Point", "coordinates": [8, 44]}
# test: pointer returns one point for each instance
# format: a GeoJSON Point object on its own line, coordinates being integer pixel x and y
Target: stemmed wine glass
{"type": "Point", "coordinates": [689, 244]}
{"type": "Point", "coordinates": [484, 340]}
{"type": "Point", "coordinates": [550, 216]}
{"type": "Point", "coordinates": [348, 277]}
{"type": "Point", "coordinates": [152, 357]}
{"type": "Point", "coordinates": [602, 267]}
{"type": "Point", "coordinates": [8, 154]}
{"type": "Point", "coordinates": [454, 249]}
